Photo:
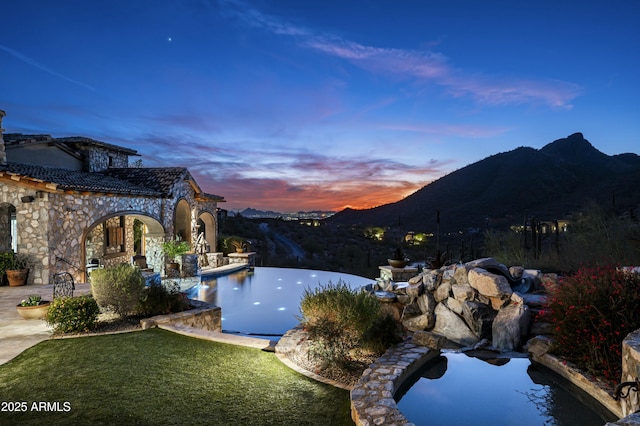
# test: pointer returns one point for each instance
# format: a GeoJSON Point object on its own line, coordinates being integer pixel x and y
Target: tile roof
{"type": "Point", "coordinates": [72, 142]}
{"type": "Point", "coordinates": [150, 182]}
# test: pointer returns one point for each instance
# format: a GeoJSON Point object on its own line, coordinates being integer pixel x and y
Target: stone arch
{"type": "Point", "coordinates": [207, 225]}
{"type": "Point", "coordinates": [8, 227]}
{"type": "Point", "coordinates": [182, 222]}
{"type": "Point", "coordinates": [94, 244]}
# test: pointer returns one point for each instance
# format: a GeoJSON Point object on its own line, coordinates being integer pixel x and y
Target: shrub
{"type": "Point", "coordinates": [72, 314]}
{"type": "Point", "coordinates": [118, 288]}
{"type": "Point", "coordinates": [592, 312]}
{"type": "Point", "coordinates": [162, 299]}
{"type": "Point", "coordinates": [342, 322]}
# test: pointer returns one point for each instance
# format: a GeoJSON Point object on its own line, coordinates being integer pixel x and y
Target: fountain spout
{"type": "Point", "coordinates": [620, 392]}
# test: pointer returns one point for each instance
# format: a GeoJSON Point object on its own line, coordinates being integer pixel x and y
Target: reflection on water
{"type": "Point", "coordinates": [264, 301]}
{"type": "Point", "coordinates": [456, 389]}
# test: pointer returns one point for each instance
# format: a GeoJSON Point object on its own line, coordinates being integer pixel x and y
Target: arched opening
{"type": "Point", "coordinates": [182, 221]}
{"type": "Point", "coordinates": [8, 228]}
{"type": "Point", "coordinates": [118, 237]}
{"type": "Point", "coordinates": [207, 227]}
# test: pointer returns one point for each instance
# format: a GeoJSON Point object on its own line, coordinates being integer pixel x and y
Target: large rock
{"type": "Point", "coordinates": [431, 280]}
{"type": "Point", "coordinates": [479, 317]}
{"type": "Point", "coordinates": [485, 262]}
{"type": "Point", "coordinates": [463, 292]}
{"type": "Point", "coordinates": [453, 327]}
{"type": "Point", "coordinates": [488, 284]}
{"type": "Point", "coordinates": [443, 291]}
{"type": "Point", "coordinates": [427, 303]}
{"type": "Point", "coordinates": [429, 339]}
{"type": "Point", "coordinates": [454, 305]}
{"type": "Point", "coordinates": [415, 290]}
{"type": "Point", "coordinates": [460, 275]}
{"type": "Point", "coordinates": [539, 345]}
{"type": "Point", "coordinates": [510, 327]}
{"type": "Point", "coordinates": [420, 322]}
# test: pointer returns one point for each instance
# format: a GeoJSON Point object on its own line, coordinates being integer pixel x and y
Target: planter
{"type": "Point", "coordinates": [172, 269]}
{"type": "Point", "coordinates": [17, 277]}
{"type": "Point", "coordinates": [33, 312]}
{"type": "Point", "coordinates": [397, 263]}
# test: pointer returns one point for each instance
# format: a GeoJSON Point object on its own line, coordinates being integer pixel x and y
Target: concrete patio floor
{"type": "Point", "coordinates": [17, 334]}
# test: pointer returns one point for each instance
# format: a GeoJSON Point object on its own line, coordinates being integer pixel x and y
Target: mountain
{"type": "Point", "coordinates": [548, 183]}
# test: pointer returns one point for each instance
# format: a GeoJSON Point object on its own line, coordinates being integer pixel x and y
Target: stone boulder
{"type": "Point", "coordinates": [429, 339]}
{"type": "Point", "coordinates": [420, 322]}
{"type": "Point", "coordinates": [427, 303]}
{"type": "Point", "coordinates": [463, 292]}
{"type": "Point", "coordinates": [479, 317]}
{"type": "Point", "coordinates": [431, 280]}
{"type": "Point", "coordinates": [489, 285]}
{"type": "Point", "coordinates": [453, 327]}
{"type": "Point", "coordinates": [510, 327]}
{"type": "Point", "coordinates": [443, 291]}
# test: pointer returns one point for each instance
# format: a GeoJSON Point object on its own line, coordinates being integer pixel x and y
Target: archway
{"type": "Point", "coordinates": [207, 227]}
{"type": "Point", "coordinates": [116, 238]}
{"type": "Point", "coordinates": [182, 221]}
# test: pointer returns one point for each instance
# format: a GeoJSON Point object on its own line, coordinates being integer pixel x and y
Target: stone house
{"type": "Point", "coordinates": [68, 203]}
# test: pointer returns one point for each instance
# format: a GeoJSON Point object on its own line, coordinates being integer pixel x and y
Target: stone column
{"type": "Point", "coordinates": [3, 155]}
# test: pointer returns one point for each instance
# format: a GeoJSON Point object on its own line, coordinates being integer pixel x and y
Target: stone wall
{"type": "Point", "coordinates": [631, 371]}
{"type": "Point", "coordinates": [205, 317]}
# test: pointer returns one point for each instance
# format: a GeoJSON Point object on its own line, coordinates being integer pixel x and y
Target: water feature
{"type": "Point", "coordinates": [457, 389]}
{"type": "Point", "coordinates": [264, 301]}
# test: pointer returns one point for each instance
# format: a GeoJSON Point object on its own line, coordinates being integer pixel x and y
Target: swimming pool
{"type": "Point", "coordinates": [264, 301]}
{"type": "Point", "coordinates": [456, 389]}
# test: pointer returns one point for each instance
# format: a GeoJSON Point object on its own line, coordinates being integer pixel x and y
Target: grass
{"type": "Point", "coordinates": [158, 377]}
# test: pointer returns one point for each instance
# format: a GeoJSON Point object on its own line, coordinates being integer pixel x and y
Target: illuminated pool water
{"type": "Point", "coordinates": [264, 301]}
{"type": "Point", "coordinates": [456, 389]}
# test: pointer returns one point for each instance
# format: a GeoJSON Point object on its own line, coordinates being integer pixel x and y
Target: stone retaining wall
{"type": "Point", "coordinates": [631, 370]}
{"type": "Point", "coordinates": [372, 400]}
{"type": "Point", "coordinates": [205, 316]}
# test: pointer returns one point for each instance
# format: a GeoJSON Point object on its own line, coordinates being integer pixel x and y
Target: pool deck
{"type": "Point", "coordinates": [17, 334]}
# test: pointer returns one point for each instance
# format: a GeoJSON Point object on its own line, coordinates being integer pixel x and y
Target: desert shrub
{"type": "Point", "coordinates": [341, 323]}
{"type": "Point", "coordinates": [593, 238]}
{"type": "Point", "coordinates": [72, 314]}
{"type": "Point", "coordinates": [162, 299]}
{"type": "Point", "coordinates": [118, 288]}
{"type": "Point", "coordinates": [592, 311]}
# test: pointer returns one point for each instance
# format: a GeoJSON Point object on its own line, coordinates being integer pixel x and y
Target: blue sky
{"type": "Point", "coordinates": [301, 105]}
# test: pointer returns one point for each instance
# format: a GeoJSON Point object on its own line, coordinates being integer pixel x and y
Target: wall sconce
{"type": "Point", "coordinates": [27, 199]}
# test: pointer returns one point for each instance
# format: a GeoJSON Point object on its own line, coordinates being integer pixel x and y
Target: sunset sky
{"type": "Point", "coordinates": [308, 104]}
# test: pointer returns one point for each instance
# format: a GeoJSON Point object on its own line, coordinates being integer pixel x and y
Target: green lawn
{"type": "Point", "coordinates": [155, 377]}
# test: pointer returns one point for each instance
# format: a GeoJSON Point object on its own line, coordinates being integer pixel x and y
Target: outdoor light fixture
{"type": "Point", "coordinates": [27, 199]}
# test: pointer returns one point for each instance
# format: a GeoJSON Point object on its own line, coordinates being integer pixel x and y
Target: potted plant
{"type": "Point", "coordinates": [172, 249]}
{"type": "Point", "coordinates": [33, 307]}
{"type": "Point", "coordinates": [239, 245]}
{"type": "Point", "coordinates": [398, 260]}
{"type": "Point", "coordinates": [17, 269]}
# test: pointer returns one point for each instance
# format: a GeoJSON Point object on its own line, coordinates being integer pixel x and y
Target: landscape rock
{"type": "Point", "coordinates": [429, 339]}
{"type": "Point", "coordinates": [453, 327]}
{"type": "Point", "coordinates": [415, 290]}
{"type": "Point", "coordinates": [431, 280]}
{"type": "Point", "coordinates": [489, 284]}
{"type": "Point", "coordinates": [539, 345]}
{"type": "Point", "coordinates": [479, 317]}
{"type": "Point", "coordinates": [454, 305]}
{"type": "Point", "coordinates": [427, 303]}
{"type": "Point", "coordinates": [463, 292]}
{"type": "Point", "coordinates": [443, 291]}
{"type": "Point", "coordinates": [510, 327]}
{"type": "Point", "coordinates": [460, 275]}
{"type": "Point", "coordinates": [420, 322]}
{"type": "Point", "coordinates": [516, 272]}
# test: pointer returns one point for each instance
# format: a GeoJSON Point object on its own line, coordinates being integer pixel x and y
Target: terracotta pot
{"type": "Point", "coordinates": [239, 250]}
{"type": "Point", "coordinates": [17, 277]}
{"type": "Point", "coordinates": [33, 312]}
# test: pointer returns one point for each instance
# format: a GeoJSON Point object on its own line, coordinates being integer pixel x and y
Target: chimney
{"type": "Point", "coordinates": [3, 155]}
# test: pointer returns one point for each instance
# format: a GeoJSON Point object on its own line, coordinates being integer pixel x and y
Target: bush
{"type": "Point", "coordinates": [162, 299]}
{"type": "Point", "coordinates": [72, 314]}
{"type": "Point", "coordinates": [592, 312]}
{"type": "Point", "coordinates": [342, 322]}
{"type": "Point", "coordinates": [118, 288]}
